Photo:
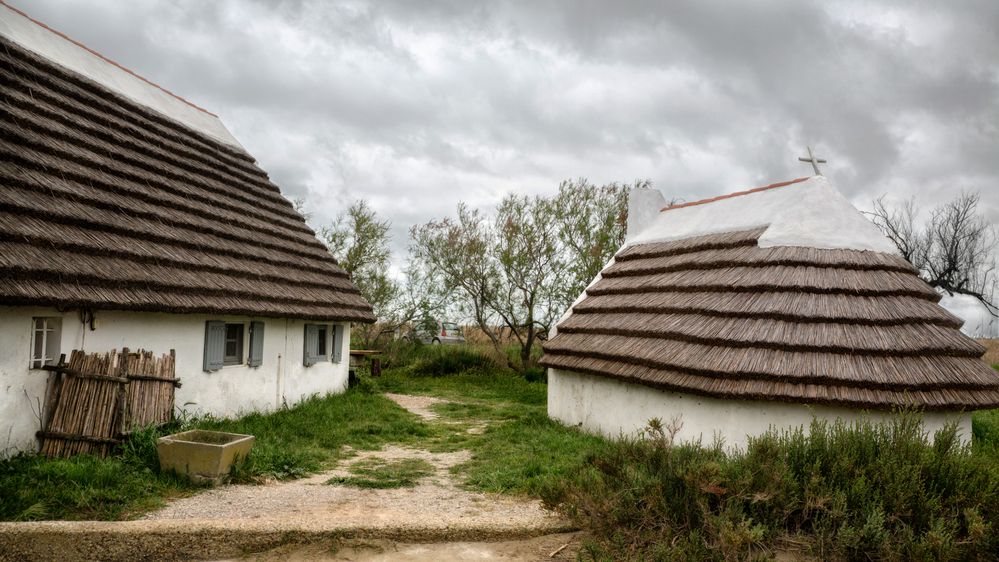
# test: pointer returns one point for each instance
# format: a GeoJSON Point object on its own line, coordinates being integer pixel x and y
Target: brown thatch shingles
{"type": "Point", "coordinates": [717, 315]}
{"type": "Point", "coordinates": [106, 204]}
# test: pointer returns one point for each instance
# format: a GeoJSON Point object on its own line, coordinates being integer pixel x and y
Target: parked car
{"type": "Point", "coordinates": [436, 332]}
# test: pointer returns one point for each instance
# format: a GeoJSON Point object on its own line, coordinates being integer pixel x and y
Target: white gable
{"type": "Point", "coordinates": [809, 213]}
{"type": "Point", "coordinates": [61, 50]}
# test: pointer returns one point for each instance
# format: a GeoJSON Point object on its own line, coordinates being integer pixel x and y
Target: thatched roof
{"type": "Point", "coordinates": [107, 204]}
{"type": "Point", "coordinates": [718, 315]}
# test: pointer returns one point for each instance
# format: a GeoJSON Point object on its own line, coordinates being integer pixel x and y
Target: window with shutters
{"type": "Point", "coordinates": [223, 344]}
{"type": "Point", "coordinates": [45, 336]}
{"type": "Point", "coordinates": [317, 344]}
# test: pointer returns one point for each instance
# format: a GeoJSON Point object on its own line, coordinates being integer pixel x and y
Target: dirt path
{"type": "Point", "coordinates": [419, 405]}
{"type": "Point", "coordinates": [311, 519]}
{"type": "Point", "coordinates": [436, 499]}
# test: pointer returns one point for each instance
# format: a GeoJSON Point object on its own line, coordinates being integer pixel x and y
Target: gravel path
{"type": "Point", "coordinates": [436, 500]}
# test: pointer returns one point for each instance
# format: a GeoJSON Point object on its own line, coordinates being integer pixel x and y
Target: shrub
{"type": "Point", "coordinates": [873, 491]}
{"type": "Point", "coordinates": [536, 374]}
{"type": "Point", "coordinates": [439, 361]}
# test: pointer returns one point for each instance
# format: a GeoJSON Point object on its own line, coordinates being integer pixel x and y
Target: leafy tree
{"type": "Point", "coordinates": [590, 222]}
{"type": "Point", "coordinates": [359, 240]}
{"type": "Point", "coordinates": [954, 251]}
{"type": "Point", "coordinates": [520, 269]}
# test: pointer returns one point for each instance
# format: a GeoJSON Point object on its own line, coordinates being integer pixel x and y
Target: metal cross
{"type": "Point", "coordinates": [813, 160]}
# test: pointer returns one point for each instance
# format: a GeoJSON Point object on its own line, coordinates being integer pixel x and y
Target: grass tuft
{"type": "Point", "coordinates": [381, 474]}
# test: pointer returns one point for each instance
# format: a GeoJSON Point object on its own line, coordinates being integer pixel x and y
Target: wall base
{"type": "Point", "coordinates": [615, 409]}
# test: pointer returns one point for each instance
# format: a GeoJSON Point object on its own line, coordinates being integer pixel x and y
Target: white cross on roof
{"type": "Point", "coordinates": [813, 160]}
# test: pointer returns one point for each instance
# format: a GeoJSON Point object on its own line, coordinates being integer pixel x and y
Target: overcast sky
{"type": "Point", "coordinates": [417, 105]}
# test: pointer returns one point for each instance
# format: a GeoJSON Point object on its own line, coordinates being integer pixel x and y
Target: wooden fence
{"type": "Point", "coordinates": [97, 398]}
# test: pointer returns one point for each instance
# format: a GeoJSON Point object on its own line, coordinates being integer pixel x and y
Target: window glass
{"type": "Point", "coordinates": [46, 334]}
{"type": "Point", "coordinates": [321, 344]}
{"type": "Point", "coordinates": [233, 344]}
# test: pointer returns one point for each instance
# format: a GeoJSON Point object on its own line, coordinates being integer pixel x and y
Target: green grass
{"type": "Point", "coordinates": [86, 487]}
{"type": "Point", "coordinates": [382, 474]}
{"type": "Point", "coordinates": [521, 451]}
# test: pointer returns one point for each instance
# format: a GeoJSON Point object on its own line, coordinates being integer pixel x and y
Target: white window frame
{"type": "Point", "coordinates": [48, 333]}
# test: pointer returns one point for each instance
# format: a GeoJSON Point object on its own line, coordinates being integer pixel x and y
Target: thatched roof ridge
{"type": "Point", "coordinates": [108, 204]}
{"type": "Point", "coordinates": [718, 315]}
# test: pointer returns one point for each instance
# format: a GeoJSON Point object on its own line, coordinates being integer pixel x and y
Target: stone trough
{"type": "Point", "coordinates": [203, 456]}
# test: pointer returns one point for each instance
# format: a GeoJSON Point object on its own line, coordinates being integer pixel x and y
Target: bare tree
{"type": "Point", "coordinates": [955, 251]}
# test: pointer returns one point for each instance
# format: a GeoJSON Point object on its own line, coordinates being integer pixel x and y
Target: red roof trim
{"type": "Point", "coordinates": [730, 195]}
{"type": "Point", "coordinates": [95, 53]}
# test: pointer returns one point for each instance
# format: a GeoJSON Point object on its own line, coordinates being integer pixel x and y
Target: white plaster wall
{"type": "Point", "coordinates": [615, 408]}
{"type": "Point", "coordinates": [282, 378]}
{"type": "Point", "coordinates": [21, 390]}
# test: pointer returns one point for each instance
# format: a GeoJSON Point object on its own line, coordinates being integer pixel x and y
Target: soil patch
{"type": "Point", "coordinates": [419, 405]}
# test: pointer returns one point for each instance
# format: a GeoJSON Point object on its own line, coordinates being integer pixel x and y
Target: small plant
{"type": "Point", "coordinates": [381, 474]}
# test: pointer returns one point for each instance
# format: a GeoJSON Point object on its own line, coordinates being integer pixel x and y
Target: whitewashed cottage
{"type": "Point", "coordinates": [130, 217]}
{"type": "Point", "coordinates": [759, 309]}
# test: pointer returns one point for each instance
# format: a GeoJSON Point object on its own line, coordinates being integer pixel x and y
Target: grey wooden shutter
{"type": "Point", "coordinates": [337, 342]}
{"type": "Point", "coordinates": [311, 344]}
{"type": "Point", "coordinates": [256, 344]}
{"type": "Point", "coordinates": [214, 345]}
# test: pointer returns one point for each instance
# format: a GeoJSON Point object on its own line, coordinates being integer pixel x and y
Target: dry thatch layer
{"type": "Point", "coordinates": [717, 315]}
{"type": "Point", "coordinates": [106, 204]}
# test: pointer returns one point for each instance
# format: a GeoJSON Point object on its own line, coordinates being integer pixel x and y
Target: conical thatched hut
{"type": "Point", "coordinates": [757, 309]}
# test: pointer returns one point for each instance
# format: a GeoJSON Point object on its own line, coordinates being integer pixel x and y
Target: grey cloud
{"type": "Point", "coordinates": [417, 105]}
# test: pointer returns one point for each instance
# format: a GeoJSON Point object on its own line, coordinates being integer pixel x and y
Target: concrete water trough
{"type": "Point", "coordinates": [203, 456]}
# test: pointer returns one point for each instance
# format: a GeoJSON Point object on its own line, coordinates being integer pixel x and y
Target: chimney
{"type": "Point", "coordinates": [644, 204]}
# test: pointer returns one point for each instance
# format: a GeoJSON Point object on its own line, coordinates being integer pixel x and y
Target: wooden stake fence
{"type": "Point", "coordinates": [97, 398]}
